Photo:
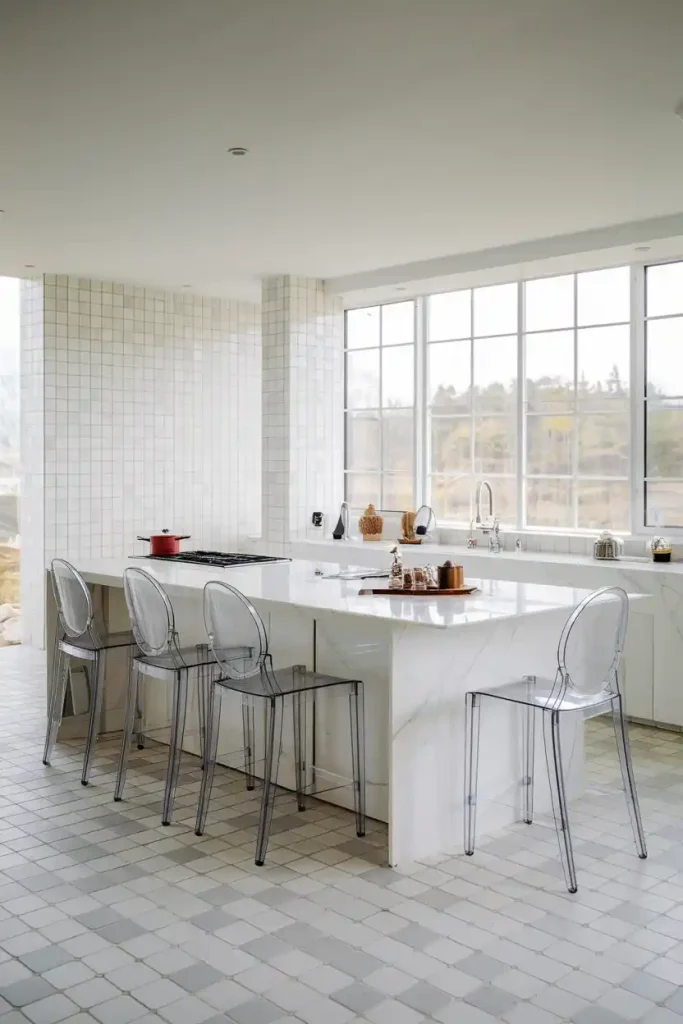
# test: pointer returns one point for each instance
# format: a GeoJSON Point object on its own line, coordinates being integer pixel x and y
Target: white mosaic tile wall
{"type": "Point", "coordinates": [31, 505]}
{"type": "Point", "coordinates": [152, 417]}
{"type": "Point", "coordinates": [303, 387]}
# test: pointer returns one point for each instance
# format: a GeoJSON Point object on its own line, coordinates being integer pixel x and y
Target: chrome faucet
{"type": "Point", "coordinates": [477, 501]}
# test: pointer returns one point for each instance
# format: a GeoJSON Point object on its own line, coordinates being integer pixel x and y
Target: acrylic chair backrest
{"type": "Point", "coordinates": [233, 622]}
{"type": "Point", "coordinates": [72, 598]}
{"type": "Point", "coordinates": [150, 612]}
{"type": "Point", "coordinates": [592, 643]}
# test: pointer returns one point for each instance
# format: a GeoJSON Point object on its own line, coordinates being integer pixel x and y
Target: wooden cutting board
{"type": "Point", "coordinates": [460, 591]}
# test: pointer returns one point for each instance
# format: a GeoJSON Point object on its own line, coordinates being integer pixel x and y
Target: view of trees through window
{"type": "Point", "coordinates": [526, 384]}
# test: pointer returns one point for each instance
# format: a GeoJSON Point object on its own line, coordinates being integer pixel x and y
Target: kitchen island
{"type": "Point", "coordinates": [417, 657]}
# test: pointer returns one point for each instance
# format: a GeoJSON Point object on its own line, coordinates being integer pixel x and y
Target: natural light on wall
{"type": "Point", "coordinates": [434, 401]}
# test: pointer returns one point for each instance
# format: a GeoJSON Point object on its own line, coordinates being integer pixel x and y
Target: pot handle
{"type": "Point", "coordinates": [144, 538]}
{"type": "Point", "coordinates": [184, 536]}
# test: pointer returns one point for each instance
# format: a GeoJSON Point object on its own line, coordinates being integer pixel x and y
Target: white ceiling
{"type": "Point", "coordinates": [380, 132]}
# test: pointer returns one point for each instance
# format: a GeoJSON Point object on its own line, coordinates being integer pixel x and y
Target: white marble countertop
{"type": "Point", "coordinates": [439, 552]}
{"type": "Point", "coordinates": [296, 583]}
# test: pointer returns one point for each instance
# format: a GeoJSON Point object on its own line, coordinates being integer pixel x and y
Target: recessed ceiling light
{"type": "Point", "coordinates": [29, 266]}
{"type": "Point", "coordinates": [238, 151]}
{"type": "Point", "coordinates": [186, 286]}
{"type": "Point", "coordinates": [400, 287]}
{"type": "Point", "coordinates": [643, 248]}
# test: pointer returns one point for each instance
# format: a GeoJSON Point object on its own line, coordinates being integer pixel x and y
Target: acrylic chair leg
{"type": "Point", "coordinates": [528, 753]}
{"type": "Point", "coordinates": [357, 713]}
{"type": "Point", "coordinates": [132, 704]}
{"type": "Point", "coordinates": [274, 709]}
{"type": "Point", "coordinates": [558, 794]}
{"type": "Point", "coordinates": [248, 739]}
{"type": "Point", "coordinates": [96, 698]}
{"type": "Point", "coordinates": [299, 716]}
{"type": "Point", "coordinates": [213, 721]}
{"type": "Point", "coordinates": [472, 716]}
{"type": "Point", "coordinates": [176, 743]}
{"type": "Point", "coordinates": [626, 764]}
{"type": "Point", "coordinates": [56, 704]}
{"type": "Point", "coordinates": [202, 673]}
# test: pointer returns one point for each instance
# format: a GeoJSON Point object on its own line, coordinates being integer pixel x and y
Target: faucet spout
{"type": "Point", "coordinates": [477, 499]}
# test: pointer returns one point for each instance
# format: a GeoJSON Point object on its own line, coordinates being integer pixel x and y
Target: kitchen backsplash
{"type": "Point", "coordinates": [150, 404]}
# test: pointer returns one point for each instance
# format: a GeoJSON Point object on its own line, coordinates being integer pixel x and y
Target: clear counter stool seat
{"type": "Point", "coordinates": [161, 656]}
{"type": "Point", "coordinates": [588, 681]}
{"type": "Point", "coordinates": [78, 636]}
{"type": "Point", "coordinates": [233, 621]}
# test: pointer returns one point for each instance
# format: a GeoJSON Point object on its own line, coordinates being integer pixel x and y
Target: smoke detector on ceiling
{"type": "Point", "coordinates": [238, 151]}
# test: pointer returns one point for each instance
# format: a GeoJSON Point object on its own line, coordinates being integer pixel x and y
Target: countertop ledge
{"type": "Point", "coordinates": [455, 552]}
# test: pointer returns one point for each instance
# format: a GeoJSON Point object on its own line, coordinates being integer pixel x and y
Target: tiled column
{"type": "Point", "coordinates": [32, 447]}
{"type": "Point", "coordinates": [303, 397]}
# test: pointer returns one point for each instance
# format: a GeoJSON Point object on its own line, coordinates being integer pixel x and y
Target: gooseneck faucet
{"type": "Point", "coordinates": [342, 529]}
{"type": "Point", "coordinates": [477, 500]}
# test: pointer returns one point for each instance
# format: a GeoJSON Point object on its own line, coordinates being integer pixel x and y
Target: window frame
{"type": "Point", "coordinates": [637, 402]}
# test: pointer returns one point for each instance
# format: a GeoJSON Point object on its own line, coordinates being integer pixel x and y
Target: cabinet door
{"type": "Point", "coordinates": [638, 666]}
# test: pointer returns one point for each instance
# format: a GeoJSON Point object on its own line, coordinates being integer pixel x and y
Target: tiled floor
{"type": "Point", "coordinates": [106, 916]}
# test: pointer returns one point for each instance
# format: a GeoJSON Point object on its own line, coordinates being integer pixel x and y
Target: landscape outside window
{"type": "Point", "coordinates": [9, 461]}
{"type": "Point", "coordinates": [526, 384]}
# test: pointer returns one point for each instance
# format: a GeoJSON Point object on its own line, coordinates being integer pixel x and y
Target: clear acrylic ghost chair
{"type": "Point", "coordinates": [78, 636]}
{"type": "Point", "coordinates": [231, 620]}
{"type": "Point", "coordinates": [588, 681]}
{"type": "Point", "coordinates": [153, 622]}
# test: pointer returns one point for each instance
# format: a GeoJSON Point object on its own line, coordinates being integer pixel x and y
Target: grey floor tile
{"type": "Point", "coordinates": [196, 977]}
{"type": "Point", "coordinates": [481, 966]}
{"type": "Point", "coordinates": [358, 997]}
{"type": "Point", "coordinates": [29, 990]}
{"type": "Point", "coordinates": [256, 1011]}
{"type": "Point", "coordinates": [45, 959]}
{"type": "Point", "coordinates": [492, 1000]}
{"type": "Point", "coordinates": [424, 997]}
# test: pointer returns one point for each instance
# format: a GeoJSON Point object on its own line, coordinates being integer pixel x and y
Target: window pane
{"type": "Point", "coordinates": [664, 289]}
{"type": "Point", "coordinates": [398, 323]}
{"type": "Point", "coordinates": [549, 444]}
{"type": "Point", "coordinates": [450, 497]}
{"type": "Point", "coordinates": [362, 488]}
{"type": "Point", "coordinates": [604, 296]}
{"type": "Point", "coordinates": [604, 445]}
{"type": "Point", "coordinates": [362, 440]}
{"type": "Point", "coordinates": [362, 380]}
{"type": "Point", "coordinates": [448, 372]}
{"type": "Point", "coordinates": [398, 376]}
{"type": "Point", "coordinates": [603, 366]}
{"type": "Point", "coordinates": [549, 503]}
{"type": "Point", "coordinates": [450, 316]}
{"type": "Point", "coordinates": [664, 442]}
{"type": "Point", "coordinates": [665, 357]}
{"type": "Point", "coordinates": [495, 309]}
{"type": "Point", "coordinates": [397, 492]}
{"type": "Point", "coordinates": [450, 444]}
{"type": "Point", "coordinates": [398, 432]}
{"type": "Point", "coordinates": [664, 504]}
{"type": "Point", "coordinates": [549, 303]}
{"type": "Point", "coordinates": [362, 327]}
{"type": "Point", "coordinates": [603, 505]}
{"type": "Point", "coordinates": [495, 374]}
{"type": "Point", "coordinates": [550, 370]}
{"type": "Point", "coordinates": [494, 444]}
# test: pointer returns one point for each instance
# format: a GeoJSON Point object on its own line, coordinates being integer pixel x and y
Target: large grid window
{"type": "Point", "coordinates": [564, 392]}
{"type": "Point", "coordinates": [664, 395]}
{"type": "Point", "coordinates": [577, 361]}
{"type": "Point", "coordinates": [380, 406]}
{"type": "Point", "coordinates": [472, 399]}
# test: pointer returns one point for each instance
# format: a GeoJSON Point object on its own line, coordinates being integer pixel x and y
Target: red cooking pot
{"type": "Point", "coordinates": [165, 543]}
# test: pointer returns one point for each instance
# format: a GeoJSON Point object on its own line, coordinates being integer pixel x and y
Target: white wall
{"type": "Point", "coordinates": [149, 409]}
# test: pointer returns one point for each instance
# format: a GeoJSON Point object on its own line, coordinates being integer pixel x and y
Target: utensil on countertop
{"type": "Point", "coordinates": [165, 543]}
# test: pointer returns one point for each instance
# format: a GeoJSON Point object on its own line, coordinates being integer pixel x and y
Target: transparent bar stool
{"type": "Point", "coordinates": [81, 637]}
{"type": "Point", "coordinates": [153, 621]}
{"type": "Point", "coordinates": [587, 681]}
{"type": "Point", "coordinates": [231, 620]}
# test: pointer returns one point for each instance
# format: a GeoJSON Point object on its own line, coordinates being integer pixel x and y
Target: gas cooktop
{"type": "Point", "coordinates": [222, 559]}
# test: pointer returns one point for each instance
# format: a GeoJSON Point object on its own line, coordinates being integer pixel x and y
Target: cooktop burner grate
{"type": "Point", "coordinates": [222, 559]}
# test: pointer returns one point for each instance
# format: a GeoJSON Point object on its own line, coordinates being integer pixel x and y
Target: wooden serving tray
{"type": "Point", "coordinates": [467, 589]}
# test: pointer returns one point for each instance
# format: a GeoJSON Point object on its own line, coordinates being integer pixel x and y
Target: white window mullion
{"type": "Point", "coordinates": [420, 468]}
{"type": "Point", "coordinates": [637, 399]}
{"type": "Point", "coordinates": [575, 430]}
{"type": "Point", "coordinates": [521, 410]}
